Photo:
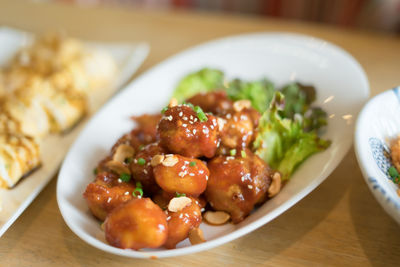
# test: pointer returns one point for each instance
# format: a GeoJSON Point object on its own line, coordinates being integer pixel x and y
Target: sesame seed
{"type": "Point", "coordinates": [180, 216]}
{"type": "Point", "coordinates": [145, 171]}
{"type": "Point", "coordinates": [194, 131]}
{"type": "Point", "coordinates": [126, 193]}
{"type": "Point", "coordinates": [184, 125]}
{"type": "Point", "coordinates": [180, 114]}
{"type": "Point", "coordinates": [250, 186]}
{"type": "Point", "coordinates": [168, 218]}
{"type": "Point", "coordinates": [191, 117]}
{"type": "Point", "coordinates": [191, 174]}
{"type": "Point", "coordinates": [185, 118]}
{"type": "Point", "coordinates": [119, 180]}
{"type": "Point", "coordinates": [201, 171]}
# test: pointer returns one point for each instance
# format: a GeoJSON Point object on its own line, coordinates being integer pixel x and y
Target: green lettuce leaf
{"type": "Point", "coordinates": [260, 93]}
{"type": "Point", "coordinates": [204, 80]}
{"type": "Point", "coordinates": [282, 142]}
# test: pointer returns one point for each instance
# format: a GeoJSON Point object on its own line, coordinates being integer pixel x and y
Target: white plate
{"type": "Point", "coordinates": [342, 90]}
{"type": "Point", "coordinates": [128, 58]}
{"type": "Point", "coordinates": [378, 123]}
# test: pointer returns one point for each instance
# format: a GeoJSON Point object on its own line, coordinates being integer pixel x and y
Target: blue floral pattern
{"type": "Point", "coordinates": [379, 152]}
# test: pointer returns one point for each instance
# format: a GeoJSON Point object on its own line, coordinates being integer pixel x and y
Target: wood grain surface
{"type": "Point", "coordinates": [338, 224]}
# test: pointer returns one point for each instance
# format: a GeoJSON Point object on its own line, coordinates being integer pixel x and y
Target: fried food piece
{"type": "Point", "coordinates": [238, 183]}
{"type": "Point", "coordinates": [141, 167]}
{"type": "Point", "coordinates": [183, 175]}
{"type": "Point", "coordinates": [18, 155]}
{"type": "Point", "coordinates": [65, 108]}
{"type": "Point", "coordinates": [49, 53]}
{"type": "Point", "coordinates": [137, 224]}
{"type": "Point", "coordinates": [24, 113]}
{"type": "Point", "coordinates": [237, 131]}
{"type": "Point", "coordinates": [106, 193]}
{"type": "Point", "coordinates": [181, 222]}
{"type": "Point", "coordinates": [145, 133]}
{"type": "Point", "coordinates": [182, 132]}
{"type": "Point", "coordinates": [216, 102]}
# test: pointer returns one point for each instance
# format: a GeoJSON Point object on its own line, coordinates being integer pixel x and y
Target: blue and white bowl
{"type": "Point", "coordinates": [377, 124]}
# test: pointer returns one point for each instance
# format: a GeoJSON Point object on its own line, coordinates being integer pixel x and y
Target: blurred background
{"type": "Point", "coordinates": [381, 15]}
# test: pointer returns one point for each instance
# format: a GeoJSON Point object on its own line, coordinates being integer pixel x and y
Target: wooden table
{"type": "Point", "coordinates": [339, 223]}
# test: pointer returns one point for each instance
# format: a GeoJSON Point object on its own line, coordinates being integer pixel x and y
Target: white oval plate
{"type": "Point", "coordinates": [342, 89]}
{"type": "Point", "coordinates": [378, 123]}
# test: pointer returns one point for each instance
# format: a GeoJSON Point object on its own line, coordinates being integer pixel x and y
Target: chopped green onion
{"type": "Point", "coordinates": [138, 189]}
{"type": "Point", "coordinates": [141, 147]}
{"type": "Point", "coordinates": [125, 177]}
{"type": "Point", "coordinates": [164, 109]}
{"type": "Point", "coordinates": [141, 161]}
{"type": "Point", "coordinates": [243, 153]}
{"type": "Point", "coordinates": [190, 105]}
{"type": "Point", "coordinates": [180, 195]}
{"type": "Point", "coordinates": [95, 171]}
{"type": "Point", "coordinates": [232, 152]}
{"type": "Point", "coordinates": [192, 163]}
{"type": "Point", "coordinates": [128, 160]}
{"type": "Point", "coordinates": [200, 114]}
{"type": "Point", "coordinates": [393, 172]}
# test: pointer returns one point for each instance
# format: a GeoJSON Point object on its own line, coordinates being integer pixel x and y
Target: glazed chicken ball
{"type": "Point", "coordinates": [141, 167]}
{"type": "Point", "coordinates": [137, 224]}
{"type": "Point", "coordinates": [187, 132]}
{"type": "Point", "coordinates": [237, 183]}
{"type": "Point", "coordinates": [106, 193]}
{"type": "Point", "coordinates": [175, 173]}
{"type": "Point", "coordinates": [216, 102]}
{"type": "Point", "coordinates": [182, 221]}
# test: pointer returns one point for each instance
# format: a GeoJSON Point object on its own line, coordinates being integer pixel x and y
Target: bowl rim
{"type": "Point", "coordinates": [390, 204]}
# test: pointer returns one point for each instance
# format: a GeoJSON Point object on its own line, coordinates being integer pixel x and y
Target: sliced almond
{"type": "Point", "coordinates": [216, 217]}
{"type": "Point", "coordinates": [117, 167]}
{"type": "Point", "coordinates": [173, 102]}
{"type": "Point", "coordinates": [178, 203]}
{"type": "Point", "coordinates": [241, 104]}
{"type": "Point", "coordinates": [157, 159]}
{"type": "Point", "coordinates": [275, 186]}
{"type": "Point", "coordinates": [170, 161]}
{"type": "Point", "coordinates": [123, 152]}
{"type": "Point", "coordinates": [221, 123]}
{"type": "Point", "coordinates": [196, 236]}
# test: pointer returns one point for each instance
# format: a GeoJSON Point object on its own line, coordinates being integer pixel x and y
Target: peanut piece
{"type": "Point", "coordinates": [122, 152]}
{"type": "Point", "coordinates": [241, 104]}
{"type": "Point", "coordinates": [117, 167]}
{"type": "Point", "coordinates": [216, 217]}
{"type": "Point", "coordinates": [196, 236]}
{"type": "Point", "coordinates": [275, 186]}
{"type": "Point", "coordinates": [170, 161]}
{"type": "Point", "coordinates": [178, 203]}
{"type": "Point", "coordinates": [157, 159]}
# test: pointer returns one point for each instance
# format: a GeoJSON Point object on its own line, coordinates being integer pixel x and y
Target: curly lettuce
{"type": "Point", "coordinates": [282, 142]}
{"type": "Point", "coordinates": [204, 80]}
{"type": "Point", "coordinates": [260, 93]}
